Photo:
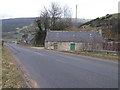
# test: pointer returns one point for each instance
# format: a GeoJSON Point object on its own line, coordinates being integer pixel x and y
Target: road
{"type": "Point", "coordinates": [51, 69]}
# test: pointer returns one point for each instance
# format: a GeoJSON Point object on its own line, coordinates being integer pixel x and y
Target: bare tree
{"type": "Point", "coordinates": [66, 12]}
{"type": "Point", "coordinates": [54, 18]}
{"type": "Point", "coordinates": [45, 18]}
{"type": "Point", "coordinates": [67, 22]}
{"type": "Point", "coordinates": [55, 14]}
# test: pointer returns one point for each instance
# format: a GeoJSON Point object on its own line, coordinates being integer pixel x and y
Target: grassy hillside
{"type": "Point", "coordinates": [10, 25]}
{"type": "Point", "coordinates": [108, 24]}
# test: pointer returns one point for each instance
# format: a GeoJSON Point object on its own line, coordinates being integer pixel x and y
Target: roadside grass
{"type": "Point", "coordinates": [26, 45]}
{"type": "Point", "coordinates": [32, 45]}
{"type": "Point", "coordinates": [96, 54]}
{"type": "Point", "coordinates": [11, 77]}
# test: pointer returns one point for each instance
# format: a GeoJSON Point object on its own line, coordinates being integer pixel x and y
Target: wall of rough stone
{"type": "Point", "coordinates": [64, 46]}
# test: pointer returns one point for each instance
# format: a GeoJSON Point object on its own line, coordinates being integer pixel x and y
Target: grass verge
{"type": "Point", "coordinates": [95, 54]}
{"type": "Point", "coordinates": [11, 77]}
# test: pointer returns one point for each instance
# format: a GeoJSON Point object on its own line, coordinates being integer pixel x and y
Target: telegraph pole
{"type": "Point", "coordinates": [76, 15]}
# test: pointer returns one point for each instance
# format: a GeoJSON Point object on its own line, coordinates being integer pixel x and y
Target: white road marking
{"type": "Point", "coordinates": [61, 61]}
{"type": "Point", "coordinates": [39, 53]}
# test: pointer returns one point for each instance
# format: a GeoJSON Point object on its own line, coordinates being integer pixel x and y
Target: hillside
{"type": "Point", "coordinates": [10, 25]}
{"type": "Point", "coordinates": [108, 24]}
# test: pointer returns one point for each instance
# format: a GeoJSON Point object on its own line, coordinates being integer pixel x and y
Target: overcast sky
{"type": "Point", "coordinates": [88, 9]}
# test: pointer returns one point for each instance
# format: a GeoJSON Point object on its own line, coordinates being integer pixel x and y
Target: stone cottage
{"type": "Point", "coordinates": [73, 40]}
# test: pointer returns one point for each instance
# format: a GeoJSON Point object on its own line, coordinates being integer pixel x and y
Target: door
{"type": "Point", "coordinates": [72, 46]}
{"type": "Point", "coordinates": [55, 46]}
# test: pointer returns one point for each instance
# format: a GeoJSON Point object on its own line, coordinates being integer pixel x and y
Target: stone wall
{"type": "Point", "coordinates": [64, 46]}
{"type": "Point", "coordinates": [60, 45]}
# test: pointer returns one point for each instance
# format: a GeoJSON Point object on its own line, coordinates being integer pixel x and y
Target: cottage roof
{"type": "Point", "coordinates": [76, 36]}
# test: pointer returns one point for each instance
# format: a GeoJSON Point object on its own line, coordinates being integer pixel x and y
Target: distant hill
{"type": "Point", "coordinates": [108, 24]}
{"type": "Point", "coordinates": [10, 25]}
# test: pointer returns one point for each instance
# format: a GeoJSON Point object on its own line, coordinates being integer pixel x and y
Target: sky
{"type": "Point", "coordinates": [88, 9]}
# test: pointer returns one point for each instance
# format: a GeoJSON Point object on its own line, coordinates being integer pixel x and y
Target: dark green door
{"type": "Point", "coordinates": [72, 46]}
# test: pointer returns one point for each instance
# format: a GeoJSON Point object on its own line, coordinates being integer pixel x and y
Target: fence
{"type": "Point", "coordinates": [111, 45]}
{"type": "Point", "coordinates": [105, 51]}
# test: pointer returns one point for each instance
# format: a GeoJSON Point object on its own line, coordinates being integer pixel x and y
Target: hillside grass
{"type": "Point", "coordinates": [11, 77]}
{"type": "Point", "coordinates": [108, 24]}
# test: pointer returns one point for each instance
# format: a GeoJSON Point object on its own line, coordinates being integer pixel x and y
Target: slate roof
{"type": "Point", "coordinates": [76, 36]}
{"type": "Point", "coordinates": [31, 37]}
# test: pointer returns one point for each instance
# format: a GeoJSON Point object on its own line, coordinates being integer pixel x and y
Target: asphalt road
{"type": "Point", "coordinates": [61, 70]}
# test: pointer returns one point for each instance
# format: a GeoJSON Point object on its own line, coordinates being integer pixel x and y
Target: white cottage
{"type": "Point", "coordinates": [74, 40]}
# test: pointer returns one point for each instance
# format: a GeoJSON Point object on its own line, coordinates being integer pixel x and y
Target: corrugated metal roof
{"type": "Point", "coordinates": [57, 36]}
